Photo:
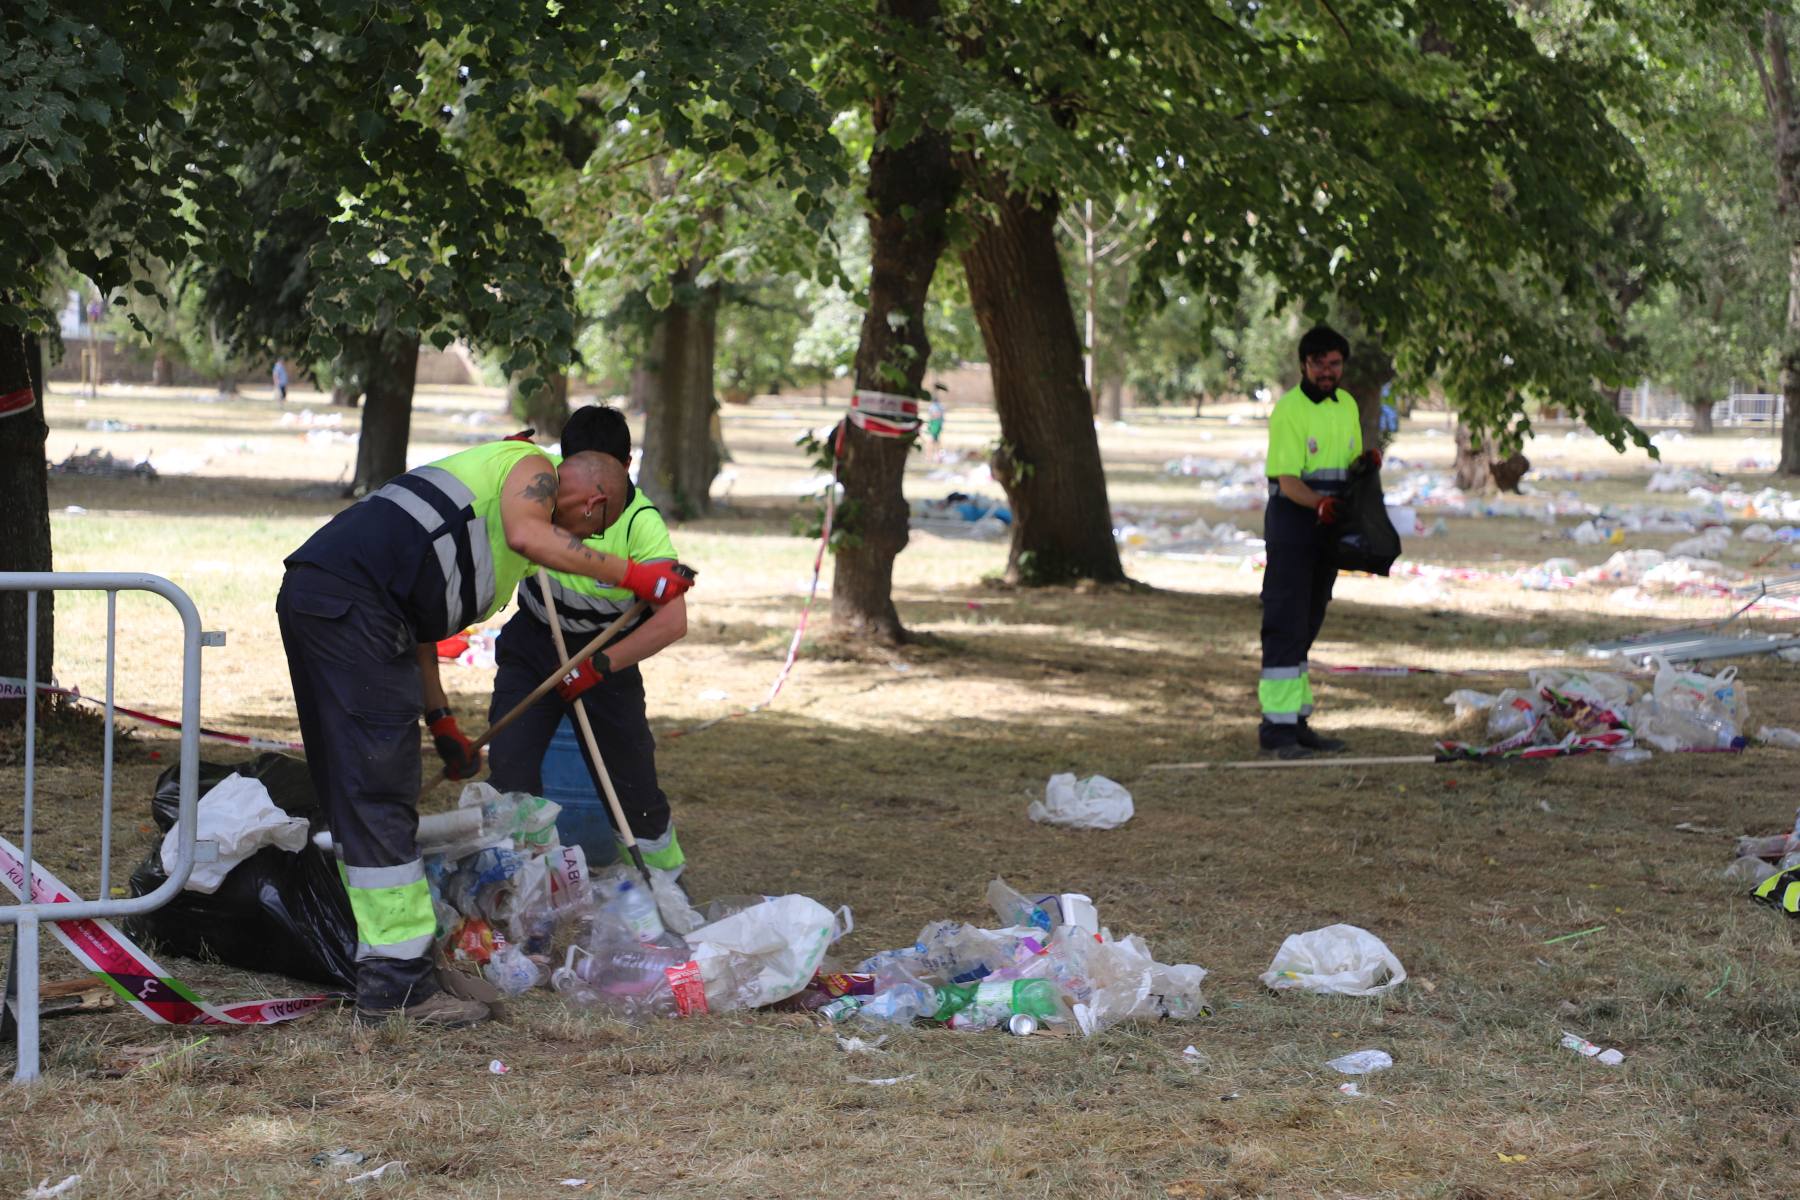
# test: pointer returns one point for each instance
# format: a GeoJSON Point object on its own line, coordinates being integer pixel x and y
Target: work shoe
{"type": "Point", "coordinates": [440, 1010]}
{"type": "Point", "coordinates": [1313, 740]}
{"type": "Point", "coordinates": [1287, 752]}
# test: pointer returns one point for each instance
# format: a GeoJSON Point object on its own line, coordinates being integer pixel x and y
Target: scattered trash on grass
{"type": "Point", "coordinates": [1340, 960]}
{"type": "Point", "coordinates": [496, 1067]}
{"type": "Point", "coordinates": [1350, 1089]}
{"type": "Point", "coordinates": [856, 1045]}
{"type": "Point", "coordinates": [1094, 803]}
{"type": "Point", "coordinates": [396, 1169]}
{"type": "Point", "coordinates": [45, 1190]}
{"type": "Point", "coordinates": [343, 1156]}
{"type": "Point", "coordinates": [1579, 1044]}
{"type": "Point", "coordinates": [98, 464]}
{"type": "Point", "coordinates": [889, 1082]}
{"type": "Point", "coordinates": [1362, 1062]}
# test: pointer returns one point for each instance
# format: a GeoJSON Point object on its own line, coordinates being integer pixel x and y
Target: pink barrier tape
{"type": "Point", "coordinates": [139, 980]}
{"type": "Point", "coordinates": [10, 687]}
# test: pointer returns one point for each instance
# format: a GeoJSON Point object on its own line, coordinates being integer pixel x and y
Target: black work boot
{"type": "Point", "coordinates": [1281, 741]}
{"type": "Point", "coordinates": [1309, 739]}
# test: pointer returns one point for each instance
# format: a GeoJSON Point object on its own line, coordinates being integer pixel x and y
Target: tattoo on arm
{"type": "Point", "coordinates": [582, 548]}
{"type": "Point", "coordinates": [541, 489]}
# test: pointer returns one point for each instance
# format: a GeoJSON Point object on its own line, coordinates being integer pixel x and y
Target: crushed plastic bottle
{"type": "Point", "coordinates": [1774, 735]}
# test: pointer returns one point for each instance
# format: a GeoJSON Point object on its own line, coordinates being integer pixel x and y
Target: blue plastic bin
{"type": "Point", "coordinates": [584, 820]}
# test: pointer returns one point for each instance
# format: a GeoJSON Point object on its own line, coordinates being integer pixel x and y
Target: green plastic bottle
{"type": "Point", "coordinates": [985, 1005]}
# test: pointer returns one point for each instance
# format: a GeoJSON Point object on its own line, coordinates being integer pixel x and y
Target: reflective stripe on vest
{"type": "Point", "coordinates": [444, 506]}
{"type": "Point", "coordinates": [1327, 482]}
{"type": "Point", "coordinates": [580, 612]}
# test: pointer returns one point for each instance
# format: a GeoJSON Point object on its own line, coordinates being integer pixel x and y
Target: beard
{"type": "Point", "coordinates": [1317, 392]}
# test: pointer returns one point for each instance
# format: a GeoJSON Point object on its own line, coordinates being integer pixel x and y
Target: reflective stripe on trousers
{"type": "Point", "coordinates": [392, 905]}
{"type": "Point", "coordinates": [663, 853]}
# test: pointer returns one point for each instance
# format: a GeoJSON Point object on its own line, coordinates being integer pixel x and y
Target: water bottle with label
{"type": "Point", "coordinates": [637, 908]}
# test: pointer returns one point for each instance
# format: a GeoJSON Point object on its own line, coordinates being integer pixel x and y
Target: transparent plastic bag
{"type": "Point", "coordinates": [1690, 710]}
{"type": "Point", "coordinates": [1513, 712]}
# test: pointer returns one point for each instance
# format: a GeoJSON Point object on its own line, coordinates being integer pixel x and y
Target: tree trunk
{"type": "Point", "coordinates": [1774, 70]}
{"type": "Point", "coordinates": [348, 373]}
{"type": "Point", "coordinates": [1112, 399]}
{"type": "Point", "coordinates": [392, 367]}
{"type": "Point", "coordinates": [1790, 373]}
{"type": "Point", "coordinates": [1049, 458]}
{"type": "Point", "coordinates": [1473, 469]}
{"type": "Point", "coordinates": [24, 513]}
{"type": "Point", "coordinates": [679, 459]}
{"type": "Point", "coordinates": [642, 385]}
{"type": "Point", "coordinates": [911, 188]}
{"type": "Point", "coordinates": [161, 372]}
{"type": "Point", "coordinates": [1703, 423]}
{"type": "Point", "coordinates": [1369, 370]}
{"type": "Point", "coordinates": [546, 409]}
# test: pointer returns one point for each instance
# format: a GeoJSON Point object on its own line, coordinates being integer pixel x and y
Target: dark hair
{"type": "Point", "coordinates": [1321, 340]}
{"type": "Point", "coordinates": [597, 427]}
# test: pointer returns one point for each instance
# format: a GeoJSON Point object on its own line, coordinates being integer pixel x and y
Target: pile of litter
{"type": "Point", "coordinates": [962, 515]}
{"type": "Point", "coordinates": [98, 464]}
{"type": "Point", "coordinates": [1580, 712]}
{"type": "Point", "coordinates": [1159, 533]}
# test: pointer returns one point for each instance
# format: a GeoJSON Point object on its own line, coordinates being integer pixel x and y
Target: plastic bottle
{"type": "Point", "coordinates": [638, 909]}
{"type": "Point", "coordinates": [1787, 739]}
{"type": "Point", "coordinates": [987, 1004]}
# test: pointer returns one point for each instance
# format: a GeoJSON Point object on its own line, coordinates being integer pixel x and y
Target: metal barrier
{"type": "Point", "coordinates": [22, 994]}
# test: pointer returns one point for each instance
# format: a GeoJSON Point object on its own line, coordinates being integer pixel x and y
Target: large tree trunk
{"type": "Point", "coordinates": [546, 409]}
{"type": "Point", "coordinates": [1703, 423]}
{"type": "Point", "coordinates": [679, 458]}
{"type": "Point", "coordinates": [1790, 372]}
{"type": "Point", "coordinates": [911, 188]}
{"type": "Point", "coordinates": [1473, 467]}
{"type": "Point", "coordinates": [391, 367]}
{"type": "Point", "coordinates": [24, 512]}
{"type": "Point", "coordinates": [1369, 370]}
{"type": "Point", "coordinates": [1112, 399]}
{"type": "Point", "coordinates": [1774, 70]}
{"type": "Point", "coordinates": [161, 372]}
{"type": "Point", "coordinates": [1049, 459]}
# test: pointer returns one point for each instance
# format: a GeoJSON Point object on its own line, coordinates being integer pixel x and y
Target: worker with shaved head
{"type": "Point", "coordinates": [362, 606]}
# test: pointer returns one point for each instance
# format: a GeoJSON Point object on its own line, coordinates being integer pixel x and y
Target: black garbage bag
{"type": "Point", "coordinates": [286, 914]}
{"type": "Point", "coordinates": [1363, 538]}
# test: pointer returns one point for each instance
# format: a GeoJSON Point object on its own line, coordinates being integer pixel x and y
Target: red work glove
{"type": "Point", "coordinates": [524, 435]}
{"type": "Point", "coordinates": [583, 677]}
{"type": "Point", "coordinates": [657, 582]}
{"type": "Point", "coordinates": [1329, 508]}
{"type": "Point", "coordinates": [461, 760]}
{"type": "Point", "coordinates": [1372, 459]}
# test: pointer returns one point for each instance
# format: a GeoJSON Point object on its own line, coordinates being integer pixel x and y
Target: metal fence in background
{"type": "Point", "coordinates": [22, 991]}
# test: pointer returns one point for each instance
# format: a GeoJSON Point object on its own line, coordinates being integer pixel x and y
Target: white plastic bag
{"type": "Point", "coordinates": [1467, 702]}
{"type": "Point", "coordinates": [1094, 803]}
{"type": "Point", "coordinates": [764, 953]}
{"type": "Point", "coordinates": [1338, 960]}
{"type": "Point", "coordinates": [239, 816]}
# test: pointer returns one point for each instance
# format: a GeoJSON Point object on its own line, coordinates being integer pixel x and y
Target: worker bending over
{"type": "Point", "coordinates": [1315, 436]}
{"type": "Point", "coordinates": [362, 606]}
{"type": "Point", "coordinates": [609, 686]}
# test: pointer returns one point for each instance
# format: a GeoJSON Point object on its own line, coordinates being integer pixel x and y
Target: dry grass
{"type": "Point", "coordinates": [1464, 871]}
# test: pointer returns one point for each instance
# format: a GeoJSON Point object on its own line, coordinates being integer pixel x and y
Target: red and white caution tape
{"type": "Point", "coordinates": [11, 688]}
{"type": "Point", "coordinates": [140, 981]}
